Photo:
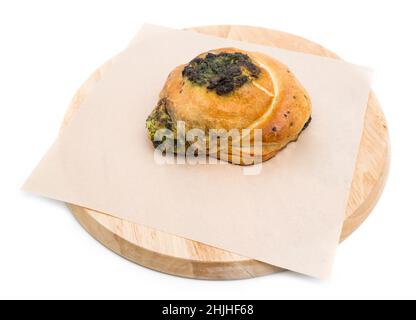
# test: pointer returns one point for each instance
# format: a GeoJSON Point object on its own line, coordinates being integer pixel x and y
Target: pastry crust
{"type": "Point", "coordinates": [274, 101]}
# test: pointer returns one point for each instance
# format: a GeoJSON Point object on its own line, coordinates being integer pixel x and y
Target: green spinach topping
{"type": "Point", "coordinates": [222, 72]}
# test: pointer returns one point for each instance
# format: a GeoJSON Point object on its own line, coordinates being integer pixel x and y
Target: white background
{"type": "Point", "coordinates": [48, 48]}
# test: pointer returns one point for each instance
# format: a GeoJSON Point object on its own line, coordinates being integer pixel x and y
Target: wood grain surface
{"type": "Point", "coordinates": [182, 257]}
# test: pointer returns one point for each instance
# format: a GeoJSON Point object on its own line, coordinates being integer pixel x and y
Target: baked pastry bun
{"type": "Point", "coordinates": [229, 89]}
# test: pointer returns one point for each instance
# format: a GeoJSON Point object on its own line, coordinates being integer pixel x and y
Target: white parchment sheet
{"type": "Point", "coordinates": [290, 215]}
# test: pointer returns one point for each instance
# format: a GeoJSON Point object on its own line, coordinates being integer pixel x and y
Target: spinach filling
{"type": "Point", "coordinates": [159, 119]}
{"type": "Point", "coordinates": [223, 72]}
{"type": "Point", "coordinates": [307, 123]}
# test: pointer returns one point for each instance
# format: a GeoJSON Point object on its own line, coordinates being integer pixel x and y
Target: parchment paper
{"type": "Point", "coordinates": [290, 215]}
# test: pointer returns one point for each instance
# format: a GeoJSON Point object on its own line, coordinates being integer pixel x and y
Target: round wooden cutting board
{"type": "Point", "coordinates": [178, 256]}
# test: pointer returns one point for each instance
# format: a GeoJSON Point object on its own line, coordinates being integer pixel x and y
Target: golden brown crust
{"type": "Point", "coordinates": [275, 102]}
